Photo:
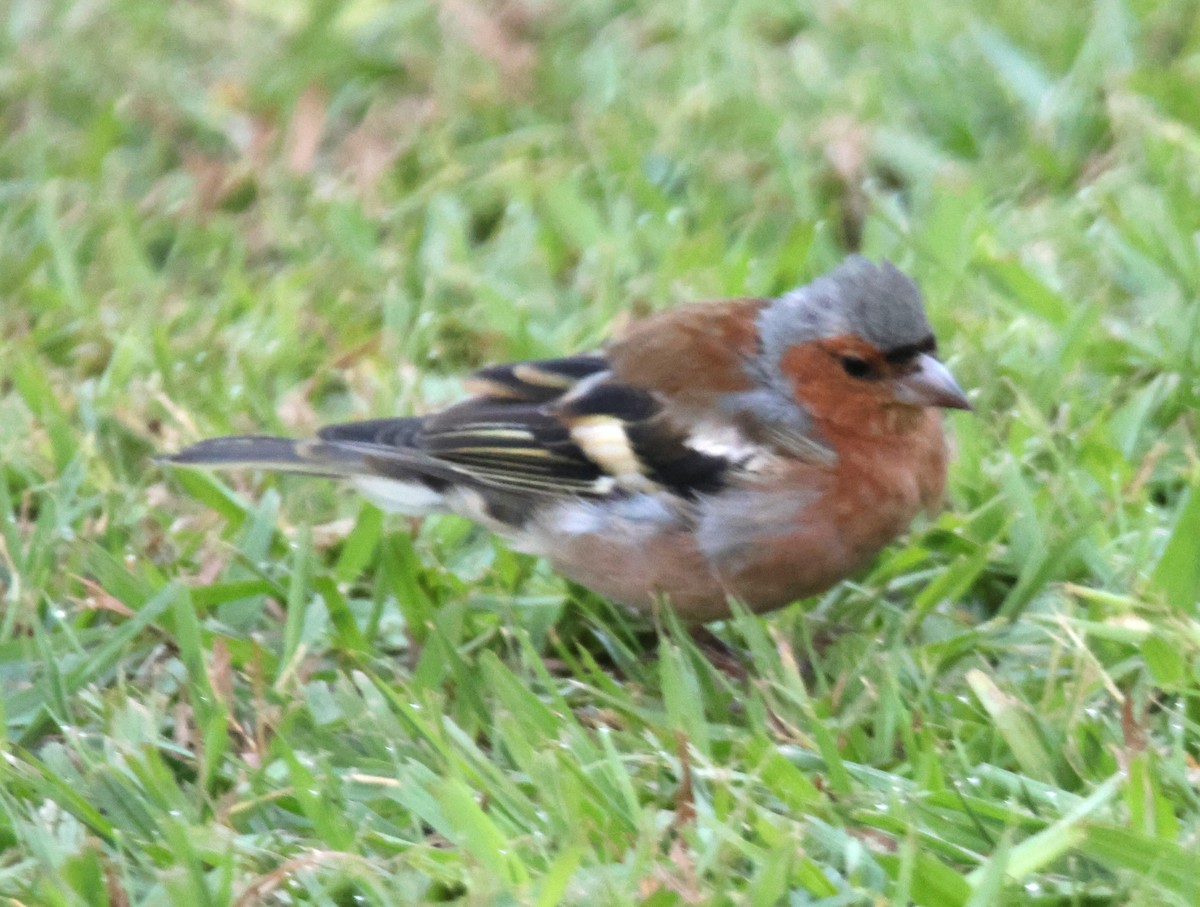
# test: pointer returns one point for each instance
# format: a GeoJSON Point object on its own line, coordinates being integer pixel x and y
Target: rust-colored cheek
{"type": "Point", "coordinates": [817, 386]}
{"type": "Point", "coordinates": [824, 389]}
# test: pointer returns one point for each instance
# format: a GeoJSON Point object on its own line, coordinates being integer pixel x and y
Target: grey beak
{"type": "Point", "coordinates": [930, 384]}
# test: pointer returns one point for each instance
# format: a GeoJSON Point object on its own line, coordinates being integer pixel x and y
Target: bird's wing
{"type": "Point", "coordinates": [551, 427]}
{"type": "Point", "coordinates": [589, 426]}
{"type": "Point", "coordinates": [484, 442]}
{"type": "Point", "coordinates": [535, 381]}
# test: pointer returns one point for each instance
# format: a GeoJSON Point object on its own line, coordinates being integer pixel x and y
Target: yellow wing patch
{"type": "Point", "coordinates": [604, 441]}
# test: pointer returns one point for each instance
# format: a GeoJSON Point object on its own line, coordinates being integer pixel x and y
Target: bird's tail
{"type": "Point", "coordinates": [264, 452]}
{"type": "Point", "coordinates": [393, 475]}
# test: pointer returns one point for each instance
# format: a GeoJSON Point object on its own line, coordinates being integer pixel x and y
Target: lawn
{"type": "Point", "coordinates": [258, 215]}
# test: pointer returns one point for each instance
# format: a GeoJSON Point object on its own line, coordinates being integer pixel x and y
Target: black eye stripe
{"type": "Point", "coordinates": [911, 350]}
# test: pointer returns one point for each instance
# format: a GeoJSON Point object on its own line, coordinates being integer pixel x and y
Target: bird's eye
{"type": "Point", "coordinates": [855, 367]}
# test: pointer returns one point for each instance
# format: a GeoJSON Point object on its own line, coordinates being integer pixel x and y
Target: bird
{"type": "Point", "coordinates": [753, 449]}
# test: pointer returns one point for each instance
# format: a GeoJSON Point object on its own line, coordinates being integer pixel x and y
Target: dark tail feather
{"type": "Point", "coordinates": [397, 479]}
{"type": "Point", "coordinates": [263, 452]}
{"type": "Point", "coordinates": [400, 433]}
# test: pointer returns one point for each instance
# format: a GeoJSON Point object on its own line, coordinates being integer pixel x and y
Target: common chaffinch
{"type": "Point", "coordinates": [757, 449]}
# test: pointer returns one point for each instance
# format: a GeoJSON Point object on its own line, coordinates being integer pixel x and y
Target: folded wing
{"type": "Point", "coordinates": [533, 431]}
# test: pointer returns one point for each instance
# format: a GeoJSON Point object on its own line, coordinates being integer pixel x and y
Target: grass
{"type": "Point", "coordinates": [263, 216]}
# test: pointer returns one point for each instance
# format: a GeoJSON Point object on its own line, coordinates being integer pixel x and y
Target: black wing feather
{"type": "Point", "coordinates": [551, 427]}
{"type": "Point", "coordinates": [536, 381]}
{"type": "Point", "coordinates": [659, 446]}
{"type": "Point", "coordinates": [519, 434]}
{"type": "Point", "coordinates": [517, 439]}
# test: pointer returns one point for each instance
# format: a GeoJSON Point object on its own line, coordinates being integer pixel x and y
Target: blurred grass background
{"type": "Point", "coordinates": [259, 216]}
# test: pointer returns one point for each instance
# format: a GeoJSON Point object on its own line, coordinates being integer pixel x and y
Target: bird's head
{"type": "Point", "coordinates": [854, 345]}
